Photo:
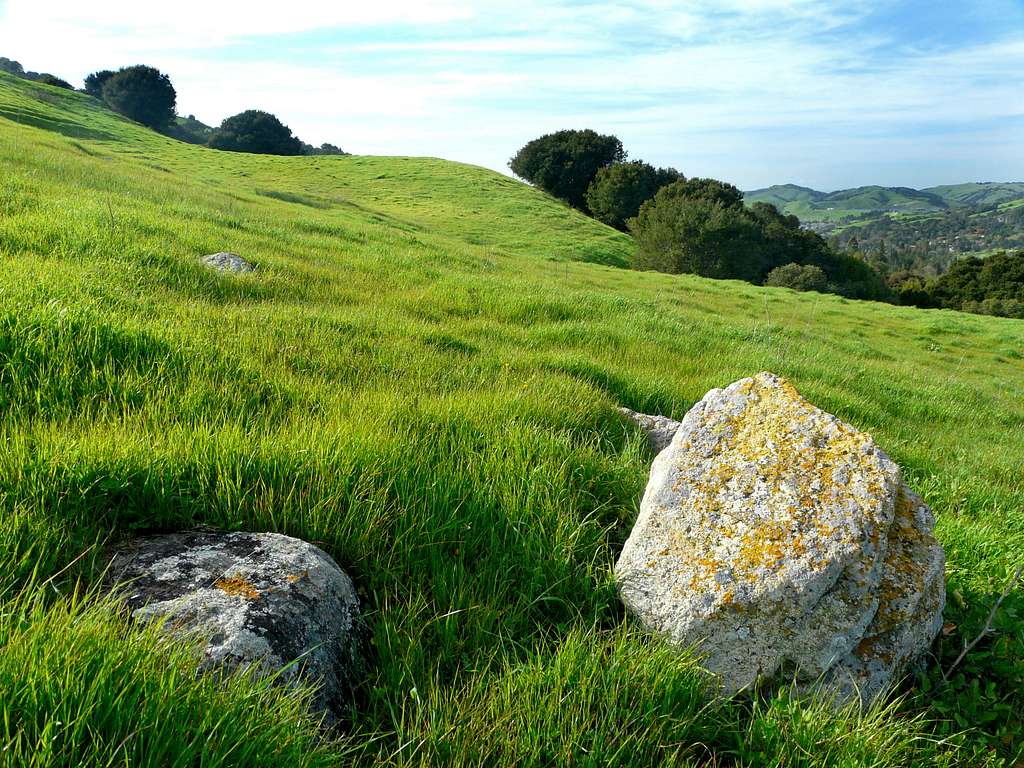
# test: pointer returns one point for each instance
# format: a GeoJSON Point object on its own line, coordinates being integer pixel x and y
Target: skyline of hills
{"type": "Point", "coordinates": [845, 205]}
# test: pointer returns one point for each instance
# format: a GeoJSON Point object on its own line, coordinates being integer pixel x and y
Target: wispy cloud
{"type": "Point", "coordinates": [757, 91]}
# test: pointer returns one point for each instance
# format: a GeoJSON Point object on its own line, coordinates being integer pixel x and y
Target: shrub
{"type": "Point", "coordinates": [909, 289]}
{"type": "Point", "coordinates": [143, 94]}
{"type": "Point", "coordinates": [94, 82]}
{"type": "Point", "coordinates": [190, 130]}
{"type": "Point", "coordinates": [618, 191]}
{"type": "Point", "coordinates": [686, 227]}
{"type": "Point", "coordinates": [852, 277]}
{"type": "Point", "coordinates": [14, 68]}
{"type": "Point", "coordinates": [565, 163]}
{"type": "Point", "coordinates": [998, 307]}
{"type": "Point", "coordinates": [323, 149]}
{"type": "Point", "coordinates": [47, 79]}
{"type": "Point", "coordinates": [799, 277]}
{"type": "Point", "coordinates": [257, 132]}
{"type": "Point", "coordinates": [701, 226]}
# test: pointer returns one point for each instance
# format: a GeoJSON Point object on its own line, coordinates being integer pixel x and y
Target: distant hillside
{"type": "Point", "coordinates": [782, 195]}
{"type": "Point", "coordinates": [861, 203]}
{"type": "Point", "coordinates": [983, 194]}
{"type": "Point", "coordinates": [921, 228]}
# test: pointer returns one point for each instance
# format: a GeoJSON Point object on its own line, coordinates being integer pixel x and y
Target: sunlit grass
{"type": "Point", "coordinates": [421, 376]}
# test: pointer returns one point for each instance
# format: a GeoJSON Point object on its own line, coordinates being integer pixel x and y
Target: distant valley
{"type": "Point", "coordinates": [933, 225]}
{"type": "Point", "coordinates": [848, 205]}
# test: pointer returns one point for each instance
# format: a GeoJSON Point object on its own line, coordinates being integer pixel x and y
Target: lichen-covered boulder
{"type": "Point", "coordinates": [912, 594]}
{"type": "Point", "coordinates": [259, 600]}
{"type": "Point", "coordinates": [660, 429]}
{"type": "Point", "coordinates": [779, 539]}
{"type": "Point", "coordinates": [227, 262]}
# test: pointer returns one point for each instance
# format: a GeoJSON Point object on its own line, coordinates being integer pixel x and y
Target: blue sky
{"type": "Point", "coordinates": [756, 92]}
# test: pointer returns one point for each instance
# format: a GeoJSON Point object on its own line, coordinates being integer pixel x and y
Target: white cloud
{"type": "Point", "coordinates": [198, 22]}
{"type": "Point", "coordinates": [751, 90]}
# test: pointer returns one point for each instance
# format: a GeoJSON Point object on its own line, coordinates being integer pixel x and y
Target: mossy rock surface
{"type": "Point", "coordinates": [254, 600]}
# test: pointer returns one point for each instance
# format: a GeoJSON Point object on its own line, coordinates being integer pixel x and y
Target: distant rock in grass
{"type": "Point", "coordinates": [254, 600]}
{"type": "Point", "coordinates": [783, 542]}
{"type": "Point", "coordinates": [660, 429]}
{"type": "Point", "coordinates": [227, 262]}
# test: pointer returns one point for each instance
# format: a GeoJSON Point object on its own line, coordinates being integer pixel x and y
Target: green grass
{"type": "Point", "coordinates": [421, 376]}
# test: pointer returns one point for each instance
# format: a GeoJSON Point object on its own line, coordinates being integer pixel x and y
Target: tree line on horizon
{"type": "Point", "coordinates": [702, 226]}
{"type": "Point", "coordinates": [147, 96]}
{"type": "Point", "coordinates": [14, 68]}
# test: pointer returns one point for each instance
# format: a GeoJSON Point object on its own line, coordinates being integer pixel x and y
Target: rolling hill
{"type": "Point", "coordinates": [984, 194]}
{"type": "Point", "coordinates": [862, 203]}
{"type": "Point", "coordinates": [422, 376]}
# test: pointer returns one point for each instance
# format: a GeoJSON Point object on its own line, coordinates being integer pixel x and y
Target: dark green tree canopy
{"type": "Point", "coordinates": [49, 79]}
{"type": "Point", "coordinates": [679, 233]}
{"type": "Point", "coordinates": [711, 190]}
{"type": "Point", "coordinates": [14, 68]}
{"type": "Point", "coordinates": [257, 132]}
{"type": "Point", "coordinates": [618, 191]}
{"type": "Point", "coordinates": [324, 149]}
{"type": "Point", "coordinates": [701, 226]}
{"type": "Point", "coordinates": [910, 288]}
{"type": "Point", "coordinates": [784, 241]}
{"type": "Point", "coordinates": [143, 94]}
{"type": "Point", "coordinates": [997, 277]}
{"type": "Point", "coordinates": [94, 82]}
{"type": "Point", "coordinates": [565, 163]}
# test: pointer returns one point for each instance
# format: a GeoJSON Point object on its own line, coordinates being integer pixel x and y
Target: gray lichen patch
{"type": "Point", "coordinates": [254, 600]}
{"type": "Point", "coordinates": [225, 261]}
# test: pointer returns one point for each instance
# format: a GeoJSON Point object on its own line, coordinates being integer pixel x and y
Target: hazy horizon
{"type": "Point", "coordinates": [756, 92]}
{"type": "Point", "coordinates": [890, 186]}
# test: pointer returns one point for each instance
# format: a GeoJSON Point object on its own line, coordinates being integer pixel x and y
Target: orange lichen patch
{"type": "Point", "coordinates": [765, 547]}
{"type": "Point", "coordinates": [784, 445]}
{"type": "Point", "coordinates": [237, 586]}
{"type": "Point", "coordinates": [903, 575]}
{"type": "Point", "coordinates": [292, 578]}
{"type": "Point", "coordinates": [866, 647]}
{"type": "Point", "coordinates": [874, 647]}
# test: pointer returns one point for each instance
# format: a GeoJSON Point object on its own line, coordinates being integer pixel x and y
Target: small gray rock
{"type": "Point", "coordinates": [258, 600]}
{"type": "Point", "coordinates": [227, 262]}
{"type": "Point", "coordinates": [660, 429]}
{"type": "Point", "coordinates": [780, 540]}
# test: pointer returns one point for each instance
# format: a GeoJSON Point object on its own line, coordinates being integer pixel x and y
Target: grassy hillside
{"type": "Point", "coordinates": [982, 194]}
{"type": "Point", "coordinates": [782, 195]}
{"type": "Point", "coordinates": [868, 203]}
{"type": "Point", "coordinates": [477, 206]}
{"type": "Point", "coordinates": [422, 377]}
{"type": "Point", "coordinates": [811, 206]}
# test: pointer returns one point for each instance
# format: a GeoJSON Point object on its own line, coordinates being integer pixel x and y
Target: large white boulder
{"type": "Point", "coordinates": [781, 541]}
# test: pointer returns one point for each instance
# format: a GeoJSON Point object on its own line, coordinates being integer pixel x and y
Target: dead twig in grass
{"type": "Point", "coordinates": [988, 623]}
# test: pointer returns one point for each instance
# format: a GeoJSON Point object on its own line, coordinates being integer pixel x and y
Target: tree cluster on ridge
{"type": "Point", "coordinates": [702, 226]}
